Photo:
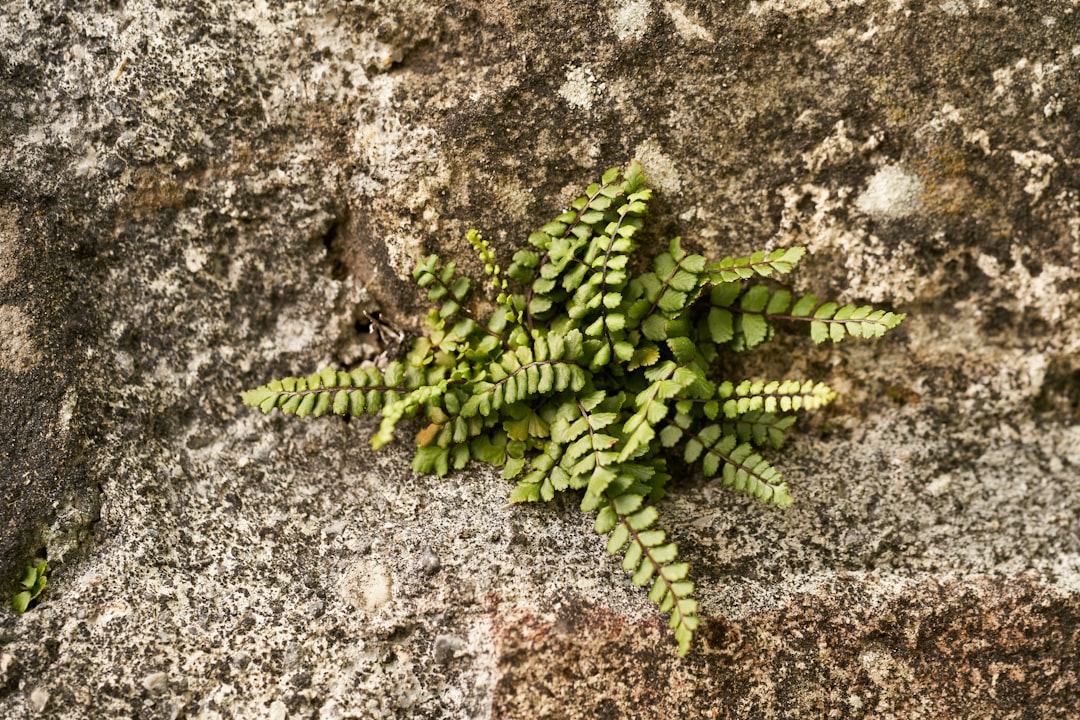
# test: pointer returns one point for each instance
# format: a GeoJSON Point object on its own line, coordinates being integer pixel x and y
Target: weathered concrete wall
{"type": "Point", "coordinates": [196, 198]}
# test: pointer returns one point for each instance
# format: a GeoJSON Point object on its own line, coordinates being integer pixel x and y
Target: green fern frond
{"type": "Point", "coordinates": [786, 395]}
{"type": "Point", "coordinates": [760, 428]}
{"type": "Point", "coordinates": [363, 391]}
{"type": "Point", "coordinates": [751, 321]}
{"type": "Point", "coordinates": [672, 286]}
{"type": "Point", "coordinates": [585, 376]}
{"type": "Point", "coordinates": [719, 448]}
{"type": "Point", "coordinates": [648, 557]}
{"type": "Point", "coordinates": [781, 261]}
{"type": "Point", "coordinates": [756, 426]}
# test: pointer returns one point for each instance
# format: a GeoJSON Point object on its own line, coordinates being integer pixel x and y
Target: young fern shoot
{"type": "Point", "coordinates": [586, 379]}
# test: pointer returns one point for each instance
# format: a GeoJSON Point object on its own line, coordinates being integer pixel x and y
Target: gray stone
{"type": "Point", "coordinates": [196, 198]}
{"type": "Point", "coordinates": [446, 649]}
{"type": "Point", "coordinates": [429, 563]}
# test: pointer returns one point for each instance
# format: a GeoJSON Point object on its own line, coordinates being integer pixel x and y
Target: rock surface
{"type": "Point", "coordinates": [196, 198]}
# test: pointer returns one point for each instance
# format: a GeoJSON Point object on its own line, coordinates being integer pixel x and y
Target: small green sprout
{"type": "Point", "coordinates": [33, 584]}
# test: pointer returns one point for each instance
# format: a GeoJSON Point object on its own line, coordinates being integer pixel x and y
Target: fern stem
{"type": "Point", "coordinates": [468, 313]}
{"type": "Point", "coordinates": [597, 457]}
{"type": "Point", "coordinates": [523, 368]}
{"type": "Point", "coordinates": [808, 318]}
{"type": "Point", "coordinates": [665, 286]}
{"type": "Point", "coordinates": [714, 270]}
{"type": "Point", "coordinates": [492, 333]}
{"type": "Point", "coordinates": [347, 388]}
{"type": "Point", "coordinates": [364, 388]}
{"type": "Point", "coordinates": [603, 281]}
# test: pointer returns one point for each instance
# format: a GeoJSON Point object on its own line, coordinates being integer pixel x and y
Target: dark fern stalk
{"type": "Point", "coordinates": [584, 378]}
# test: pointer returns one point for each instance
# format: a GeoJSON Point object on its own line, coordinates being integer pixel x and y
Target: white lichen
{"type": "Point", "coordinates": [581, 88]}
{"type": "Point", "coordinates": [1039, 167]}
{"type": "Point", "coordinates": [631, 19]}
{"type": "Point", "coordinates": [891, 194]}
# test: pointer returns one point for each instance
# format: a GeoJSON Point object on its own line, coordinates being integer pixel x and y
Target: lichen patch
{"type": "Point", "coordinates": [631, 19]}
{"type": "Point", "coordinates": [581, 88]}
{"type": "Point", "coordinates": [1039, 167]}
{"type": "Point", "coordinates": [891, 194]}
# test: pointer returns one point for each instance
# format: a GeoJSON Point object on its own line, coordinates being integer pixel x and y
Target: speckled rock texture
{"type": "Point", "coordinates": [197, 197]}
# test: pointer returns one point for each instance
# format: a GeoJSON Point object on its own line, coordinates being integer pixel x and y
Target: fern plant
{"type": "Point", "coordinates": [585, 378]}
